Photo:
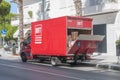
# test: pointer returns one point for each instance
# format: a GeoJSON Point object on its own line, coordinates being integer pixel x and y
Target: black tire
{"type": "Point", "coordinates": [54, 61]}
{"type": "Point", "coordinates": [75, 61]}
{"type": "Point", "coordinates": [73, 64]}
{"type": "Point", "coordinates": [41, 60]}
{"type": "Point", "coordinates": [23, 57]}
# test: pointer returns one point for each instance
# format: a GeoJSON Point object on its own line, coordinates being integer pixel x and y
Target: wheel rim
{"type": "Point", "coordinates": [53, 61]}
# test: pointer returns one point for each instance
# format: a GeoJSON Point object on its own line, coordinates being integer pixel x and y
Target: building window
{"type": "Point", "coordinates": [95, 2]}
{"type": "Point", "coordinates": [47, 5]}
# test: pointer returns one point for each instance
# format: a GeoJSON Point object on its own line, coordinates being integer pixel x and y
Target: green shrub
{"type": "Point", "coordinates": [30, 14]}
{"type": "Point", "coordinates": [118, 42]}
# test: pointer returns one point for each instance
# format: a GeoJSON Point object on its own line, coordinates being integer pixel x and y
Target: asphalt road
{"type": "Point", "coordinates": [10, 70]}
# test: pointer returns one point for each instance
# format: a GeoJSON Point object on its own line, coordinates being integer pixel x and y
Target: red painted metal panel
{"type": "Point", "coordinates": [83, 47]}
{"type": "Point", "coordinates": [87, 47]}
{"type": "Point", "coordinates": [79, 22]}
{"type": "Point", "coordinates": [49, 37]}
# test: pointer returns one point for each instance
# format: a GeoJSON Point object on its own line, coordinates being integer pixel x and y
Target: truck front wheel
{"type": "Point", "coordinates": [23, 57]}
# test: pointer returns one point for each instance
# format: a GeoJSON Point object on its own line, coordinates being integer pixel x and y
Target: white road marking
{"type": "Point", "coordinates": [55, 74]}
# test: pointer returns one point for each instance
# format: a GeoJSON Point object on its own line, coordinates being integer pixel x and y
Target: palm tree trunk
{"type": "Point", "coordinates": [21, 32]}
{"type": "Point", "coordinates": [113, 0]}
{"type": "Point", "coordinates": [0, 1]}
{"type": "Point", "coordinates": [20, 3]}
{"type": "Point", "coordinates": [78, 7]}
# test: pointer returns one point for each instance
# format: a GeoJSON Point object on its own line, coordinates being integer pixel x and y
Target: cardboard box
{"type": "Point", "coordinates": [74, 35]}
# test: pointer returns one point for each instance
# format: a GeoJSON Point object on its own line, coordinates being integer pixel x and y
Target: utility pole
{"type": "Point", "coordinates": [43, 10]}
{"type": "Point", "coordinates": [78, 7]}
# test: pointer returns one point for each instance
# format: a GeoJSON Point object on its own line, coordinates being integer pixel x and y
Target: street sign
{"type": "Point", "coordinates": [3, 31]}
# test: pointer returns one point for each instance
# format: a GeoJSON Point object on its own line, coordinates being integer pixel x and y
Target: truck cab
{"type": "Point", "coordinates": [25, 51]}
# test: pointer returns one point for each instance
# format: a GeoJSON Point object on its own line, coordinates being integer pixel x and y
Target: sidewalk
{"type": "Point", "coordinates": [101, 61]}
{"type": "Point", "coordinates": [7, 55]}
{"type": "Point", "coordinates": [105, 61]}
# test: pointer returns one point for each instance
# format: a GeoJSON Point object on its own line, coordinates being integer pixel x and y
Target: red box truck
{"type": "Point", "coordinates": [64, 39]}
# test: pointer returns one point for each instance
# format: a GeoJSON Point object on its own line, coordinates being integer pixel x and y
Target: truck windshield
{"type": "Point", "coordinates": [27, 41]}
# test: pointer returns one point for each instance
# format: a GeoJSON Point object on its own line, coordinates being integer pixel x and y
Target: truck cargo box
{"type": "Point", "coordinates": [50, 37]}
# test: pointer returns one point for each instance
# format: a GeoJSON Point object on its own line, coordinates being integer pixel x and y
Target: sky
{"type": "Point", "coordinates": [13, 6]}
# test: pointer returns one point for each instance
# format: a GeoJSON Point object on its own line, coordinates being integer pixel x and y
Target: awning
{"type": "Point", "coordinates": [15, 35]}
{"type": "Point", "coordinates": [104, 17]}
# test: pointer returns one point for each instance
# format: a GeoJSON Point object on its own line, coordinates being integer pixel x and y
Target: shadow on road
{"type": "Point", "coordinates": [62, 64]}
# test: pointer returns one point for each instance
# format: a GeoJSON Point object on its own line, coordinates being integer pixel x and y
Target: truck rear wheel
{"type": "Point", "coordinates": [75, 61]}
{"type": "Point", "coordinates": [23, 57]}
{"type": "Point", "coordinates": [55, 61]}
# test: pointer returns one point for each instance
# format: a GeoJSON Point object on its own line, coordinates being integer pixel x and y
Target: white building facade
{"type": "Point", "coordinates": [106, 21]}
{"type": "Point", "coordinates": [105, 14]}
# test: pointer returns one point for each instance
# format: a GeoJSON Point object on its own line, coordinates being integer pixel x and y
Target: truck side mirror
{"type": "Point", "coordinates": [24, 43]}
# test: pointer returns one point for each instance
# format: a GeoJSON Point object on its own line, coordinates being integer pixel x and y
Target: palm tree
{"type": "Point", "coordinates": [20, 4]}
{"type": "Point", "coordinates": [78, 7]}
{"type": "Point", "coordinates": [113, 0]}
{"type": "Point", "coordinates": [0, 1]}
{"type": "Point", "coordinates": [21, 32]}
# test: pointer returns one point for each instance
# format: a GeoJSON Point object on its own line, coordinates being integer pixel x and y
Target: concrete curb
{"type": "Point", "coordinates": [105, 66]}
{"type": "Point", "coordinates": [109, 66]}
